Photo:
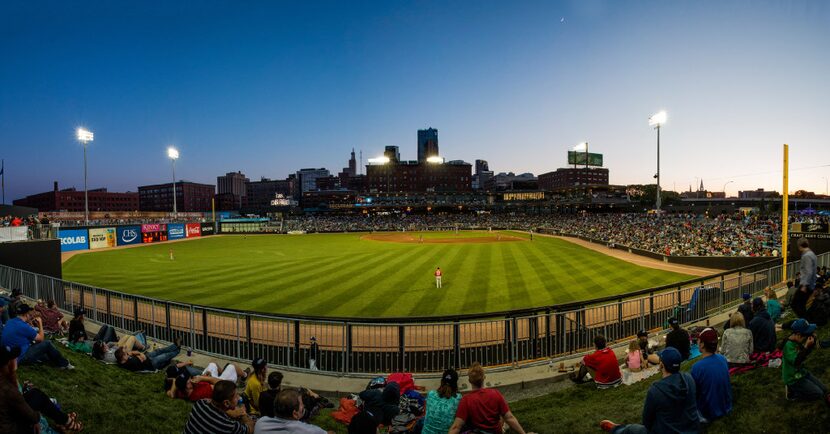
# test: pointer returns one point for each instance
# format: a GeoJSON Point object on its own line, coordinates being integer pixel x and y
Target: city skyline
{"type": "Point", "coordinates": [253, 90]}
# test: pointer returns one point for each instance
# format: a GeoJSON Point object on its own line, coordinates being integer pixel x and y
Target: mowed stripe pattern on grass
{"type": "Point", "coordinates": [346, 275]}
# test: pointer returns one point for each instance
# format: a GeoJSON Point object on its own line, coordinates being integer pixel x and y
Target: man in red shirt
{"type": "Point", "coordinates": [438, 277]}
{"type": "Point", "coordinates": [194, 388]}
{"type": "Point", "coordinates": [483, 409]}
{"type": "Point", "coordinates": [601, 364]}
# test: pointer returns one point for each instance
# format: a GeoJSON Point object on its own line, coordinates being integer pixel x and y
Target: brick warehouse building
{"type": "Point", "coordinates": [190, 197]}
{"type": "Point", "coordinates": [416, 177]}
{"type": "Point", "coordinates": [72, 200]}
{"type": "Point", "coordinates": [572, 177]}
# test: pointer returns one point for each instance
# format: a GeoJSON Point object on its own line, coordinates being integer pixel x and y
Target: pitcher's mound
{"type": "Point", "coordinates": [448, 239]}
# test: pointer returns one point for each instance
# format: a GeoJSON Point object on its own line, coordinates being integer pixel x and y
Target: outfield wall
{"type": "Point", "coordinates": [99, 237]}
{"type": "Point", "coordinates": [358, 346]}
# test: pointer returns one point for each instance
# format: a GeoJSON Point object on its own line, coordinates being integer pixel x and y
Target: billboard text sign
{"type": "Point", "coordinates": [578, 158]}
{"type": "Point", "coordinates": [127, 235]}
{"type": "Point", "coordinates": [193, 230]}
{"type": "Point", "coordinates": [208, 229]}
{"type": "Point", "coordinates": [100, 238]}
{"type": "Point", "coordinates": [73, 239]}
{"type": "Point", "coordinates": [175, 231]}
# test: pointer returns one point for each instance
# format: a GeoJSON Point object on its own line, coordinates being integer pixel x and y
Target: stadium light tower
{"type": "Point", "coordinates": [85, 136]}
{"type": "Point", "coordinates": [657, 120]}
{"type": "Point", "coordinates": [173, 153]}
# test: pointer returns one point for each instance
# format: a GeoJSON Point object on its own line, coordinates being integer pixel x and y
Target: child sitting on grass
{"type": "Point", "coordinates": [635, 360]}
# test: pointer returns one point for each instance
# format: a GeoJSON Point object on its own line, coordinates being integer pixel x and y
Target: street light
{"type": "Point", "coordinates": [173, 153]}
{"type": "Point", "coordinates": [657, 120]}
{"type": "Point", "coordinates": [85, 136]}
{"type": "Point", "coordinates": [724, 188]}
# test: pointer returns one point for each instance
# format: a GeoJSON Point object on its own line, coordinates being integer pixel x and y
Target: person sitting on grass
{"type": "Point", "coordinates": [104, 349]}
{"type": "Point", "coordinates": [221, 414]}
{"type": "Point", "coordinates": [647, 351]}
{"type": "Point", "coordinates": [194, 388]}
{"type": "Point", "coordinates": [442, 404]}
{"type": "Point", "coordinates": [483, 409]}
{"type": "Point", "coordinates": [762, 328]}
{"type": "Point", "coordinates": [670, 405]}
{"type": "Point", "coordinates": [254, 385]}
{"type": "Point", "coordinates": [799, 383]}
{"type": "Point", "coordinates": [77, 330]}
{"type": "Point", "coordinates": [678, 338]}
{"type": "Point", "coordinates": [736, 343]}
{"type": "Point", "coordinates": [711, 375]}
{"type": "Point", "coordinates": [288, 409]}
{"type": "Point", "coordinates": [52, 317]}
{"type": "Point", "coordinates": [267, 397]}
{"type": "Point", "coordinates": [137, 361]}
{"type": "Point", "coordinates": [773, 305]}
{"type": "Point", "coordinates": [19, 333]}
{"type": "Point", "coordinates": [601, 364]}
{"type": "Point", "coordinates": [22, 407]}
{"type": "Point", "coordinates": [634, 361]}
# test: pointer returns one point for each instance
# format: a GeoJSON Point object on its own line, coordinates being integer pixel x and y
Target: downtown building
{"type": "Point", "coordinates": [573, 177]}
{"type": "Point", "coordinates": [260, 194]}
{"type": "Point", "coordinates": [231, 191]}
{"type": "Point", "coordinates": [72, 200]}
{"type": "Point", "coordinates": [190, 197]}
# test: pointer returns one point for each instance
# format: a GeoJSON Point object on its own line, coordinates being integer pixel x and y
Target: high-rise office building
{"type": "Point", "coordinates": [481, 166]}
{"type": "Point", "coordinates": [427, 144]}
{"type": "Point", "coordinates": [307, 178]}
{"type": "Point", "coordinates": [392, 153]}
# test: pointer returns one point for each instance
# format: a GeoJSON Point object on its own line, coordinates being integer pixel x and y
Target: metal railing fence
{"type": "Point", "coordinates": [502, 340]}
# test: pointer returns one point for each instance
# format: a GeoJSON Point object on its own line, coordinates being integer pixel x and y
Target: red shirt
{"type": "Point", "coordinates": [437, 273]}
{"type": "Point", "coordinates": [201, 390]}
{"type": "Point", "coordinates": [604, 362]}
{"type": "Point", "coordinates": [482, 409]}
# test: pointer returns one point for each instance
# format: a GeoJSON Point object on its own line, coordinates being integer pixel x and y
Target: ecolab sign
{"type": "Point", "coordinates": [73, 239]}
{"type": "Point", "coordinates": [194, 230]}
{"type": "Point", "coordinates": [128, 235]}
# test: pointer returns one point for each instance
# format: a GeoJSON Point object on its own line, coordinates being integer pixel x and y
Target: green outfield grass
{"type": "Point", "coordinates": [347, 275]}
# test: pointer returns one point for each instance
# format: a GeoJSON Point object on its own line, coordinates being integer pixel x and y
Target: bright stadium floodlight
{"type": "Point", "coordinates": [581, 147]}
{"type": "Point", "coordinates": [383, 159]}
{"type": "Point", "coordinates": [173, 154]}
{"type": "Point", "coordinates": [85, 136]}
{"type": "Point", "coordinates": [435, 159]}
{"type": "Point", "coordinates": [657, 120]}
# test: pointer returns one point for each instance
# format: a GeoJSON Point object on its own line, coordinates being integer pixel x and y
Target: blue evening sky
{"type": "Point", "coordinates": [270, 87]}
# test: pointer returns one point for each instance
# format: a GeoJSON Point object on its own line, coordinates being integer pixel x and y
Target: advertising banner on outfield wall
{"type": "Point", "coordinates": [154, 228]}
{"type": "Point", "coordinates": [193, 230]}
{"type": "Point", "coordinates": [175, 231]}
{"type": "Point", "coordinates": [100, 238]}
{"type": "Point", "coordinates": [127, 235]}
{"type": "Point", "coordinates": [73, 239]}
{"type": "Point", "coordinates": [208, 229]}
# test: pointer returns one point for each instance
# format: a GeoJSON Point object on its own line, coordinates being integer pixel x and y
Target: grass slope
{"type": "Point", "coordinates": [344, 275]}
{"type": "Point", "coordinates": [109, 400]}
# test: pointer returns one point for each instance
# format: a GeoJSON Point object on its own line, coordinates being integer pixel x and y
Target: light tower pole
{"type": "Point", "coordinates": [173, 153]}
{"type": "Point", "coordinates": [85, 136]}
{"type": "Point", "coordinates": [657, 120]}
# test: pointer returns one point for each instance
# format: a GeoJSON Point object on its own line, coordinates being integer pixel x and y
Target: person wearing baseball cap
{"type": "Point", "coordinates": [679, 338]}
{"type": "Point", "coordinates": [711, 375]}
{"type": "Point", "coordinates": [645, 349]}
{"type": "Point", "coordinates": [442, 404]}
{"type": "Point", "coordinates": [798, 381]}
{"type": "Point", "coordinates": [670, 404]}
{"type": "Point", "coordinates": [254, 387]}
{"type": "Point", "coordinates": [19, 333]}
{"type": "Point", "coordinates": [745, 308]}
